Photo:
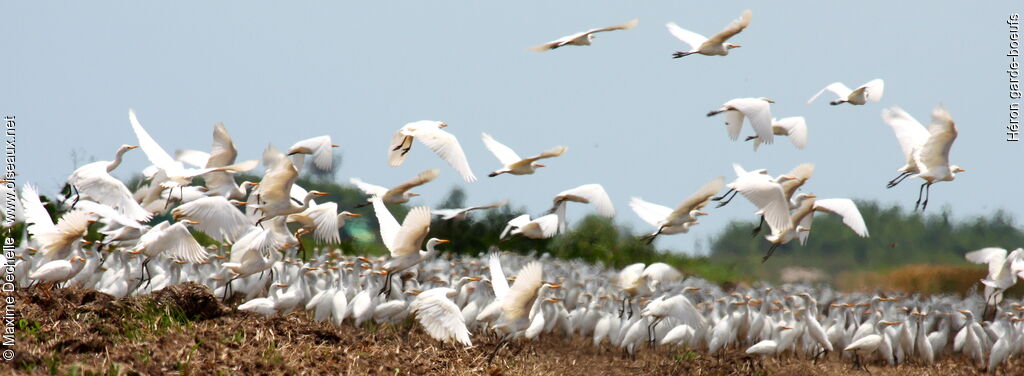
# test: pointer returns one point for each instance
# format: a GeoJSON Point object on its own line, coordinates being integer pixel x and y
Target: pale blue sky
{"type": "Point", "coordinates": [633, 118]}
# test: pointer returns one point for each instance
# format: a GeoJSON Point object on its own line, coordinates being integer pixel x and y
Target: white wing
{"type": "Point", "coordinates": [322, 150]}
{"type": "Point", "coordinates": [734, 27]}
{"type": "Point", "coordinates": [447, 214]}
{"type": "Point", "coordinates": [38, 219]}
{"type": "Point", "coordinates": [909, 132]}
{"type": "Point", "coordinates": [440, 317]}
{"type": "Point", "coordinates": [415, 226]}
{"type": "Point", "coordinates": [370, 189]}
{"type": "Point", "coordinates": [593, 194]}
{"type": "Point", "coordinates": [108, 214]}
{"type": "Point", "coordinates": [256, 242]}
{"type": "Point", "coordinates": [94, 183]}
{"type": "Point", "coordinates": [837, 88]}
{"type": "Point", "coordinates": [874, 89]}
{"type": "Point", "coordinates": [446, 146]}
{"type": "Point", "coordinates": [767, 196]}
{"type": "Point", "coordinates": [796, 129]}
{"type": "Point", "coordinates": [422, 178]}
{"type": "Point", "coordinates": [990, 255]}
{"type": "Point", "coordinates": [519, 221]}
{"type": "Point", "coordinates": [325, 218]}
{"type": "Point", "coordinates": [935, 151]}
{"type": "Point", "coordinates": [691, 38]}
{"type": "Point", "coordinates": [194, 158]}
{"type": "Point", "coordinates": [498, 281]}
{"type": "Point", "coordinates": [388, 225]}
{"type": "Point", "coordinates": [505, 154]}
{"type": "Point", "coordinates": [733, 123]}
{"type": "Point", "coordinates": [759, 112]}
{"type": "Point", "coordinates": [178, 243]}
{"type": "Point", "coordinates": [154, 152]}
{"type": "Point", "coordinates": [700, 197]}
{"type": "Point", "coordinates": [217, 217]}
{"type": "Point", "coordinates": [523, 291]}
{"type": "Point", "coordinates": [847, 209]}
{"type": "Point", "coordinates": [651, 213]}
{"type": "Point", "coordinates": [548, 225]}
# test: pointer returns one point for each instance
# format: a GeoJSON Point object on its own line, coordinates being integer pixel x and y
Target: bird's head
{"type": "Point", "coordinates": [350, 215]}
{"type": "Point", "coordinates": [435, 241]}
{"type": "Point", "coordinates": [731, 45]}
{"type": "Point", "coordinates": [766, 99]}
{"type": "Point", "coordinates": [441, 124]}
{"type": "Point", "coordinates": [127, 147]}
{"type": "Point", "coordinates": [956, 169]}
{"type": "Point", "coordinates": [316, 194]}
{"type": "Point", "coordinates": [412, 194]}
{"type": "Point", "coordinates": [535, 164]}
{"type": "Point", "coordinates": [238, 203]}
{"type": "Point", "coordinates": [698, 212]}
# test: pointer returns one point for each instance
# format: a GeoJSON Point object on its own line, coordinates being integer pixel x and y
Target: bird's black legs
{"type": "Point", "coordinates": [726, 202]}
{"type": "Point", "coordinates": [898, 179]}
{"type": "Point", "coordinates": [920, 193]}
{"type": "Point", "coordinates": [227, 288]}
{"type": "Point", "coordinates": [758, 229]}
{"type": "Point", "coordinates": [501, 343]}
{"type": "Point", "coordinates": [927, 195]}
{"type": "Point", "coordinates": [386, 290]}
{"type": "Point", "coordinates": [679, 54]}
{"type": "Point", "coordinates": [650, 238]}
{"type": "Point", "coordinates": [77, 196]}
{"type": "Point", "coordinates": [770, 252]}
{"type": "Point", "coordinates": [651, 332]}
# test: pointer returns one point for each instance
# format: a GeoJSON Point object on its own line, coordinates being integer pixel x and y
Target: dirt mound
{"type": "Point", "coordinates": [193, 299]}
{"type": "Point", "coordinates": [184, 330]}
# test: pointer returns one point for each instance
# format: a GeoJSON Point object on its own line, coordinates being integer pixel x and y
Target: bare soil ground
{"type": "Point", "coordinates": [185, 330]}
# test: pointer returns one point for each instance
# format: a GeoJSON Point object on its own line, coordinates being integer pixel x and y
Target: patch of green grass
{"type": "Point", "coordinates": [687, 356]}
{"type": "Point", "coordinates": [152, 320]}
{"type": "Point", "coordinates": [272, 355]}
{"type": "Point", "coordinates": [27, 328]}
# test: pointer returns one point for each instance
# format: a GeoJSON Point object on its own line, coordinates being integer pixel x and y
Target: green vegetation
{"type": "Point", "coordinates": [897, 238]}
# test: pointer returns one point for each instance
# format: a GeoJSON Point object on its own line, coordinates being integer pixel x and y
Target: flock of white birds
{"type": "Point", "coordinates": [453, 298]}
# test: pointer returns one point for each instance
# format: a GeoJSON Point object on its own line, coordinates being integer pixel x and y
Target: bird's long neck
{"type": "Point", "coordinates": [117, 160]}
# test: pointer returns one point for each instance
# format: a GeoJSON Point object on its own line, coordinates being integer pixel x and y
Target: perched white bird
{"type": "Point", "coordinates": [861, 95]}
{"type": "Point", "coordinates": [541, 228]}
{"type": "Point", "coordinates": [593, 194]}
{"type": "Point", "coordinates": [429, 132]}
{"type": "Point", "coordinates": [401, 193]}
{"type": "Point", "coordinates": [94, 182]}
{"type": "Point", "coordinates": [669, 221]}
{"type": "Point", "coordinates": [462, 213]}
{"type": "Point", "coordinates": [440, 317]}
{"type": "Point", "coordinates": [320, 148]}
{"type": "Point", "coordinates": [582, 38]}
{"type": "Point", "coordinates": [57, 271]}
{"type": "Point", "coordinates": [794, 127]}
{"type": "Point", "coordinates": [926, 151]}
{"type": "Point", "coordinates": [713, 46]}
{"type": "Point", "coordinates": [757, 109]}
{"type": "Point", "coordinates": [513, 163]}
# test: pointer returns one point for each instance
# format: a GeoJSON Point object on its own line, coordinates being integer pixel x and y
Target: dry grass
{"type": "Point", "coordinates": [183, 330]}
